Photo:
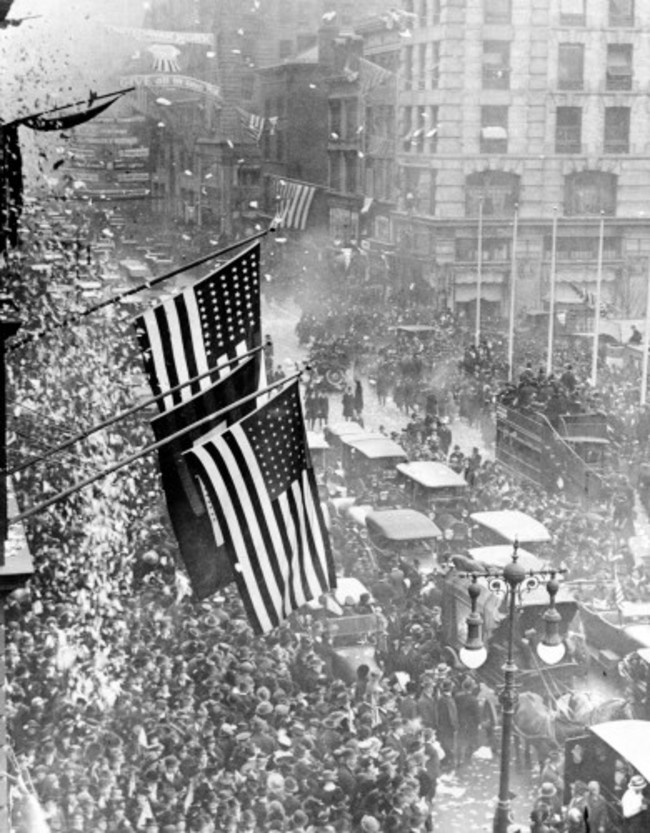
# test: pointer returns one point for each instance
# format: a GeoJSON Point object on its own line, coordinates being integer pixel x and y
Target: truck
{"type": "Point", "coordinates": [572, 455]}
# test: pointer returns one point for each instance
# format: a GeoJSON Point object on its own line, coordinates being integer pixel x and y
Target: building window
{"type": "Point", "coordinates": [431, 129]}
{"type": "Point", "coordinates": [590, 192]}
{"type": "Point", "coordinates": [617, 130]}
{"type": "Point", "coordinates": [498, 191]}
{"type": "Point", "coordinates": [568, 129]}
{"type": "Point", "coordinates": [335, 119]}
{"type": "Point", "coordinates": [494, 130]}
{"type": "Point", "coordinates": [621, 13]}
{"type": "Point", "coordinates": [421, 184]}
{"type": "Point", "coordinates": [619, 66]}
{"type": "Point", "coordinates": [351, 173]}
{"type": "Point", "coordinates": [573, 12]}
{"type": "Point", "coordinates": [583, 248]}
{"type": "Point", "coordinates": [492, 249]}
{"type": "Point", "coordinates": [421, 80]}
{"type": "Point", "coordinates": [406, 129]}
{"type": "Point", "coordinates": [435, 12]}
{"type": "Point", "coordinates": [496, 65]}
{"type": "Point", "coordinates": [435, 64]}
{"type": "Point", "coordinates": [570, 72]}
{"type": "Point", "coordinates": [335, 171]}
{"type": "Point", "coordinates": [408, 67]}
{"type": "Point", "coordinates": [422, 12]}
{"type": "Point", "coordinates": [496, 11]}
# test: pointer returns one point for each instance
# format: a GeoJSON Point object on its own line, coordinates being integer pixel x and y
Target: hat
{"type": "Point", "coordinates": [637, 782]}
{"type": "Point", "coordinates": [264, 708]}
{"type": "Point", "coordinates": [369, 824]}
{"type": "Point", "coordinates": [548, 790]}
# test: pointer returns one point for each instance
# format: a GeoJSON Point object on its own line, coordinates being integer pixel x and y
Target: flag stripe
{"type": "Point", "coordinates": [186, 358]}
{"type": "Point", "coordinates": [228, 494]}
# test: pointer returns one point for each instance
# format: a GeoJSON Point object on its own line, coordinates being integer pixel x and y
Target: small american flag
{"type": "Point", "coordinates": [252, 124]}
{"type": "Point", "coordinates": [295, 202]}
{"type": "Point", "coordinates": [206, 325]}
{"type": "Point", "coordinates": [260, 482]}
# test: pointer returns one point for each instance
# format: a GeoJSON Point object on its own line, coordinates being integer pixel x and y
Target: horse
{"type": "Point", "coordinates": [584, 708]}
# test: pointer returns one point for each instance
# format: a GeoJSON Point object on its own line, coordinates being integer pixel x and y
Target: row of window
{"type": "Point", "coordinates": [620, 13]}
{"type": "Point", "coordinates": [496, 194]}
{"type": "Point", "coordinates": [422, 66]}
{"type": "Point", "coordinates": [419, 132]}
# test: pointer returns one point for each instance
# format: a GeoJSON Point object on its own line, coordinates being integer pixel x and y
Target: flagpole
{"type": "Point", "coordinates": [646, 343]}
{"type": "Point", "coordinates": [513, 293]}
{"type": "Point", "coordinates": [91, 99]}
{"type": "Point", "coordinates": [82, 435]}
{"type": "Point", "coordinates": [35, 510]}
{"type": "Point", "coordinates": [479, 274]}
{"type": "Point", "coordinates": [599, 282]}
{"type": "Point", "coordinates": [73, 319]}
{"type": "Point", "coordinates": [551, 297]}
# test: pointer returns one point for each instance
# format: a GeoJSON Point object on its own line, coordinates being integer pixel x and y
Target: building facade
{"type": "Point", "coordinates": [539, 107]}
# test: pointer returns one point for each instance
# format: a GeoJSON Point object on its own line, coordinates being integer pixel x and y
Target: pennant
{"type": "Point", "coordinates": [69, 121]}
{"type": "Point", "coordinates": [165, 57]}
{"type": "Point", "coordinates": [259, 479]}
{"type": "Point", "coordinates": [208, 324]}
{"type": "Point", "coordinates": [200, 542]}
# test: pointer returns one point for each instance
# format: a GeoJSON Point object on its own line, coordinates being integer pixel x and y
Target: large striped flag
{"type": "Point", "coordinates": [200, 542]}
{"type": "Point", "coordinates": [259, 479]}
{"type": "Point", "coordinates": [295, 201]}
{"type": "Point", "coordinates": [208, 324]}
{"type": "Point", "coordinates": [372, 76]}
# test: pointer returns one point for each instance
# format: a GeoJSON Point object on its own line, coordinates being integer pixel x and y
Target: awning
{"type": "Point", "coordinates": [494, 133]}
{"type": "Point", "coordinates": [630, 739]}
{"type": "Point", "coordinates": [464, 293]}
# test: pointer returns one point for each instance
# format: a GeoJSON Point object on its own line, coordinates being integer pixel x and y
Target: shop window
{"type": "Point", "coordinates": [617, 130]}
{"type": "Point", "coordinates": [570, 73]}
{"type": "Point", "coordinates": [496, 65]}
{"type": "Point", "coordinates": [619, 66]}
{"type": "Point", "coordinates": [590, 192]}
{"type": "Point", "coordinates": [497, 190]}
{"type": "Point", "coordinates": [568, 129]}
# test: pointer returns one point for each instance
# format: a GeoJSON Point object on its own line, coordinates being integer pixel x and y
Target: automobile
{"type": "Point", "coordinates": [404, 535]}
{"type": "Point", "coordinates": [318, 448]}
{"type": "Point", "coordinates": [368, 454]}
{"type": "Point", "coordinates": [433, 485]}
{"type": "Point", "coordinates": [505, 526]}
{"type": "Point", "coordinates": [500, 555]}
{"type": "Point", "coordinates": [335, 432]}
{"type": "Point", "coordinates": [608, 753]}
{"type": "Point", "coordinates": [614, 630]}
{"type": "Point", "coordinates": [351, 637]}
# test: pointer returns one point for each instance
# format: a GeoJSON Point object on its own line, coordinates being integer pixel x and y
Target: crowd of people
{"type": "Point", "coordinates": [133, 707]}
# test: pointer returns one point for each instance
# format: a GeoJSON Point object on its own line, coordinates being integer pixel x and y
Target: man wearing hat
{"type": "Point", "coordinates": [448, 723]}
{"type": "Point", "coordinates": [597, 809]}
{"type": "Point", "coordinates": [549, 800]}
{"type": "Point", "coordinates": [634, 806]}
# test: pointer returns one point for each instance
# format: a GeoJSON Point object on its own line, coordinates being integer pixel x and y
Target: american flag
{"type": "Point", "coordinates": [295, 200]}
{"type": "Point", "coordinates": [200, 542]}
{"type": "Point", "coordinates": [259, 479]}
{"type": "Point", "coordinates": [252, 124]}
{"type": "Point", "coordinates": [207, 324]}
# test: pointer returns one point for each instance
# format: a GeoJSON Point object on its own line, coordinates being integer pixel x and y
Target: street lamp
{"type": "Point", "coordinates": [513, 580]}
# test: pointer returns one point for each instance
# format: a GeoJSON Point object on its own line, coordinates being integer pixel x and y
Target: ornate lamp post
{"type": "Point", "coordinates": [513, 580]}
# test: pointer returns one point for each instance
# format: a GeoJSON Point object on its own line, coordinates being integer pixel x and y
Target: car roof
{"type": "Point", "coordinates": [402, 524]}
{"type": "Point", "coordinates": [630, 739]}
{"type": "Point", "coordinates": [376, 448]}
{"type": "Point", "coordinates": [316, 441]}
{"type": "Point", "coordinates": [513, 525]}
{"type": "Point", "coordinates": [432, 474]}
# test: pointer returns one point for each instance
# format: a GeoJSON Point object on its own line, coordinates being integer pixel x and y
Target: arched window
{"type": "Point", "coordinates": [590, 192]}
{"type": "Point", "coordinates": [498, 190]}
